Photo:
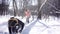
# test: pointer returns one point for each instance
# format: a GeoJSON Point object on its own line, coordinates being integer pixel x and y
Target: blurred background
{"type": "Point", "coordinates": [47, 11]}
{"type": "Point", "coordinates": [39, 8]}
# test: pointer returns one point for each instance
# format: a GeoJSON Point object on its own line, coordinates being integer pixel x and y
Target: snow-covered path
{"type": "Point", "coordinates": [35, 27]}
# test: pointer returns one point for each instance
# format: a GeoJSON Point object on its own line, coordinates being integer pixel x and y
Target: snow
{"type": "Point", "coordinates": [44, 26]}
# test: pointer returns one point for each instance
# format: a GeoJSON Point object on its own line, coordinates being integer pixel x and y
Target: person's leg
{"type": "Point", "coordinates": [9, 30]}
{"type": "Point", "coordinates": [27, 19]}
{"type": "Point", "coordinates": [17, 27]}
{"type": "Point", "coordinates": [13, 29]}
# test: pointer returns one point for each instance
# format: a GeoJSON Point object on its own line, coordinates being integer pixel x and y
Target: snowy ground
{"type": "Point", "coordinates": [51, 26]}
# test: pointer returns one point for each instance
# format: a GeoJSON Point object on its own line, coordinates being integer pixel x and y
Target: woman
{"type": "Point", "coordinates": [12, 25]}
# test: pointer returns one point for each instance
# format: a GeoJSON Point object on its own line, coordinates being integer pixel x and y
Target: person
{"type": "Point", "coordinates": [27, 14]}
{"type": "Point", "coordinates": [12, 25]}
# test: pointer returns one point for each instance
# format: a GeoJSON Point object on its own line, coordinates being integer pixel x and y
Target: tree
{"type": "Point", "coordinates": [15, 8]}
{"type": "Point", "coordinates": [3, 7]}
